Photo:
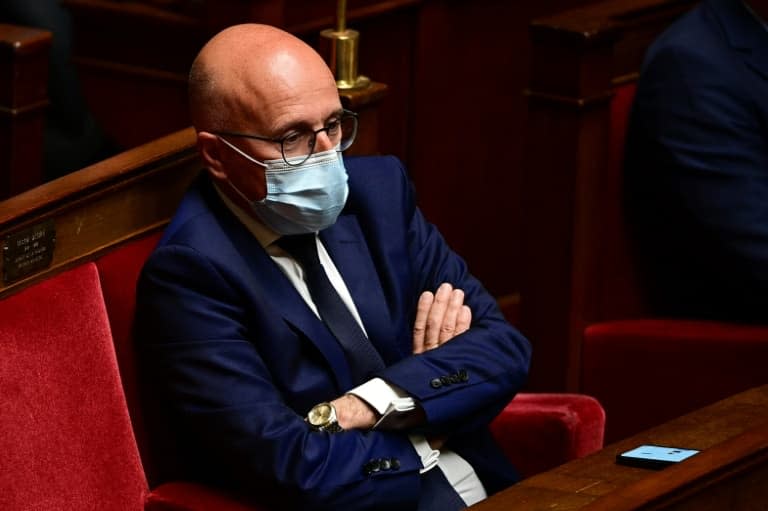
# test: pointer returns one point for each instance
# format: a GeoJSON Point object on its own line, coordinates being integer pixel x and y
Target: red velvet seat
{"type": "Point", "coordinates": [539, 431]}
{"type": "Point", "coordinates": [65, 435]}
{"type": "Point", "coordinates": [118, 272]}
{"type": "Point", "coordinates": [648, 371]}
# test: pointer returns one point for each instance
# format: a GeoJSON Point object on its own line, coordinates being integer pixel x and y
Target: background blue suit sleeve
{"type": "Point", "coordinates": [698, 171]}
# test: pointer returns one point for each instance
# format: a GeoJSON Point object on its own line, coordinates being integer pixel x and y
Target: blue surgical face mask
{"type": "Point", "coordinates": [300, 199]}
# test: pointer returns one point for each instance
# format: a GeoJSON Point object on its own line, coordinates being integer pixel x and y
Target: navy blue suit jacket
{"type": "Point", "coordinates": [240, 358]}
{"type": "Point", "coordinates": [697, 164]}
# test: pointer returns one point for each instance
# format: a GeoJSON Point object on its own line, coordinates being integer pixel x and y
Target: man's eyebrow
{"type": "Point", "coordinates": [336, 113]}
{"type": "Point", "coordinates": [304, 125]}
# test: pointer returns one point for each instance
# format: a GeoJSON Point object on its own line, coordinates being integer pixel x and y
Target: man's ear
{"type": "Point", "coordinates": [210, 151]}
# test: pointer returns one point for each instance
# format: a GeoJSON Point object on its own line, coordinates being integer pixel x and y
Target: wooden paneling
{"type": "Point", "coordinates": [24, 56]}
{"type": "Point", "coordinates": [105, 204]}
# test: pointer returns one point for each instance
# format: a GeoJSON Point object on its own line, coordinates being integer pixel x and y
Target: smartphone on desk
{"type": "Point", "coordinates": [654, 456]}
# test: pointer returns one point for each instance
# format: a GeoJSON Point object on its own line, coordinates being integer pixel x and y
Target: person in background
{"type": "Point", "coordinates": [697, 163]}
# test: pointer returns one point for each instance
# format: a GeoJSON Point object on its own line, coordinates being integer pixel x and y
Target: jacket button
{"type": "Point", "coordinates": [371, 467]}
{"type": "Point", "coordinates": [445, 380]}
{"type": "Point", "coordinates": [385, 464]}
{"type": "Point", "coordinates": [455, 378]}
{"type": "Point", "coordinates": [436, 383]}
{"type": "Point", "coordinates": [395, 464]}
{"type": "Point", "coordinates": [464, 375]}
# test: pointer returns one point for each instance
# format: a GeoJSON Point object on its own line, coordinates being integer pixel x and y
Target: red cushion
{"type": "Point", "coordinates": [645, 372]}
{"type": "Point", "coordinates": [541, 431]}
{"type": "Point", "coordinates": [65, 436]}
{"type": "Point", "coordinates": [119, 272]}
{"type": "Point", "coordinates": [614, 287]}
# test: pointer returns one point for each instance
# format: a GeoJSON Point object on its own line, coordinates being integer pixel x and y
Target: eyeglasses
{"type": "Point", "coordinates": [298, 145]}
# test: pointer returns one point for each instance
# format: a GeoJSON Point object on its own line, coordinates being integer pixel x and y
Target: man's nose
{"type": "Point", "coordinates": [323, 142]}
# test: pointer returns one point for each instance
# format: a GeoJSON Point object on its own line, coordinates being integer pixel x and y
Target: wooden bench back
{"type": "Point", "coordinates": [577, 261]}
{"type": "Point", "coordinates": [82, 215]}
{"type": "Point", "coordinates": [23, 101]}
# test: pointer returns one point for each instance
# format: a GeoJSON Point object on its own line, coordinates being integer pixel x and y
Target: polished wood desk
{"type": "Point", "coordinates": [731, 472]}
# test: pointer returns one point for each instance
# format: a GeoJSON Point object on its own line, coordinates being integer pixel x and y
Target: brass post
{"type": "Point", "coordinates": [340, 46]}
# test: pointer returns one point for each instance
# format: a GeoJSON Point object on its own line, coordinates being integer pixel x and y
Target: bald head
{"type": "Point", "coordinates": [246, 71]}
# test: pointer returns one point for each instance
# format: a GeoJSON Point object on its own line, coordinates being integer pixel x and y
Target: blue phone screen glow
{"type": "Point", "coordinates": [661, 453]}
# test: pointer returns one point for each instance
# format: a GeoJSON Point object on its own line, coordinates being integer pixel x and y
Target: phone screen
{"type": "Point", "coordinates": [654, 456]}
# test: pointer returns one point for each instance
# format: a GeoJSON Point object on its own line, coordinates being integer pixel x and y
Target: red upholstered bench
{"type": "Point", "coordinates": [539, 431]}
{"type": "Point", "coordinates": [68, 380]}
{"type": "Point", "coordinates": [65, 434]}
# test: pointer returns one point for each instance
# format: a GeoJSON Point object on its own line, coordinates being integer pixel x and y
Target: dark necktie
{"type": "Point", "coordinates": [362, 357]}
{"type": "Point", "coordinates": [437, 494]}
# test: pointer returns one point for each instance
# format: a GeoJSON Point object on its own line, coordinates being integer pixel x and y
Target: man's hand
{"type": "Point", "coordinates": [354, 413]}
{"type": "Point", "coordinates": [440, 317]}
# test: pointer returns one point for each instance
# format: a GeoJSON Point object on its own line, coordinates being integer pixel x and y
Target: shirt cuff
{"type": "Point", "coordinates": [383, 397]}
{"type": "Point", "coordinates": [429, 457]}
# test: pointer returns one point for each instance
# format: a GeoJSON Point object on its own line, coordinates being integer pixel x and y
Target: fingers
{"type": "Point", "coordinates": [464, 320]}
{"type": "Point", "coordinates": [439, 318]}
{"type": "Point", "coordinates": [420, 324]}
{"type": "Point", "coordinates": [448, 327]}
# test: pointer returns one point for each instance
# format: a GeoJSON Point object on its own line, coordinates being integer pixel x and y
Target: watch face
{"type": "Point", "coordinates": [320, 415]}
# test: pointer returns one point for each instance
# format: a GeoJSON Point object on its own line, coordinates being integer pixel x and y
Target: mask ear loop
{"type": "Point", "coordinates": [242, 153]}
{"type": "Point", "coordinates": [249, 158]}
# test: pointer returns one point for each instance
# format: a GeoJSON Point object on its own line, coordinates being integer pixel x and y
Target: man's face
{"type": "Point", "coordinates": [277, 108]}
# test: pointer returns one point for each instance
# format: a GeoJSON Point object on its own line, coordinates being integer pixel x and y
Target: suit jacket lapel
{"type": "Point", "coordinates": [346, 245]}
{"type": "Point", "coordinates": [270, 282]}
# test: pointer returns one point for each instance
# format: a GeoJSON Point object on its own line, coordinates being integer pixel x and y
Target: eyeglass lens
{"type": "Point", "coordinates": [340, 132]}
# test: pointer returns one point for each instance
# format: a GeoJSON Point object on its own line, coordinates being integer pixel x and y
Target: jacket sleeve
{"type": "Point", "coordinates": [465, 382]}
{"type": "Point", "coordinates": [230, 415]}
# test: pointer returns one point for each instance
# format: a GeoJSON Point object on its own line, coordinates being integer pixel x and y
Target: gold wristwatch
{"type": "Point", "coordinates": [322, 417]}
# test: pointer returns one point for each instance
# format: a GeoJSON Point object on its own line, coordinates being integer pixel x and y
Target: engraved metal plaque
{"type": "Point", "coordinates": [28, 251]}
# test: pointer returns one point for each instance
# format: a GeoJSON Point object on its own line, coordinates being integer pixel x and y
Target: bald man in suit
{"type": "Point", "coordinates": [264, 389]}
